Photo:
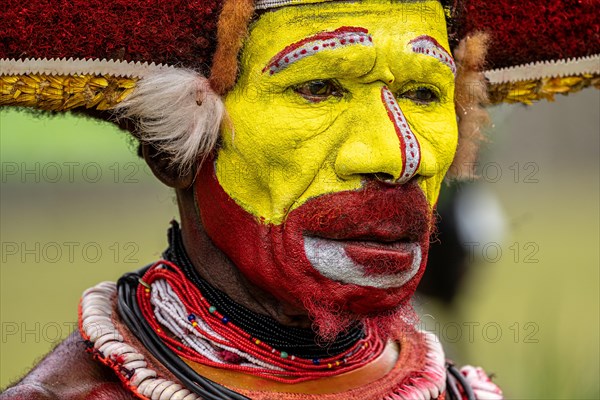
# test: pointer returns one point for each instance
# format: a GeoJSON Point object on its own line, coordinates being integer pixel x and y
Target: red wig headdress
{"type": "Point", "coordinates": [96, 55]}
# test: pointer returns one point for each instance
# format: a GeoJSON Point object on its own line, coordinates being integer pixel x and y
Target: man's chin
{"type": "Point", "coordinates": [329, 320]}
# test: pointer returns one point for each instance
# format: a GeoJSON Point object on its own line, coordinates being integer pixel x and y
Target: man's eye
{"type": "Point", "coordinates": [317, 91]}
{"type": "Point", "coordinates": [420, 95]}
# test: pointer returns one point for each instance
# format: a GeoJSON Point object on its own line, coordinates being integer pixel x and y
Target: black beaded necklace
{"type": "Point", "coordinates": [298, 341]}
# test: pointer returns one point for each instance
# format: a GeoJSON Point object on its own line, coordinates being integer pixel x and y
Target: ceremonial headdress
{"type": "Point", "coordinates": [139, 57]}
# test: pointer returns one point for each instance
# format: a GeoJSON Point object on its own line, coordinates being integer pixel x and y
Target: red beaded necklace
{"type": "Point", "coordinates": [273, 364]}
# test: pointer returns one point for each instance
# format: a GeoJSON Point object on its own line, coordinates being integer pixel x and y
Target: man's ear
{"type": "Point", "coordinates": [161, 166]}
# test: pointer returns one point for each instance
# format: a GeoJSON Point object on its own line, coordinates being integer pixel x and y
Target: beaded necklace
{"type": "Point", "coordinates": [196, 330]}
{"type": "Point", "coordinates": [127, 359]}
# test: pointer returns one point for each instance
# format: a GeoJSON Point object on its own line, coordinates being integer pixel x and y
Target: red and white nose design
{"type": "Point", "coordinates": [409, 145]}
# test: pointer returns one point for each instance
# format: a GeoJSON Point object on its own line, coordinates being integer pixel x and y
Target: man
{"type": "Point", "coordinates": [304, 232]}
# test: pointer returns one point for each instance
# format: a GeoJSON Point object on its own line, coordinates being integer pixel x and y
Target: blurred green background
{"type": "Point", "coordinates": [79, 207]}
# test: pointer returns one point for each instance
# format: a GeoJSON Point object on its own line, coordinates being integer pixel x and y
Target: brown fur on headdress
{"type": "Point", "coordinates": [470, 99]}
{"type": "Point", "coordinates": [231, 32]}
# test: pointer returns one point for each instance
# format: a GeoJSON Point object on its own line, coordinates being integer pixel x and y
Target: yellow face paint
{"type": "Point", "coordinates": [310, 111]}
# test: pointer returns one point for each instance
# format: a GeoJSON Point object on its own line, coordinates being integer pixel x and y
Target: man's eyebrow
{"type": "Point", "coordinates": [341, 37]}
{"type": "Point", "coordinates": [429, 46]}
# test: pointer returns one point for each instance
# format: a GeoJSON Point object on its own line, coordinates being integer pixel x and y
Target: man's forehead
{"type": "Point", "coordinates": [311, 12]}
{"type": "Point", "coordinates": [274, 4]}
{"type": "Point", "coordinates": [342, 30]}
{"type": "Point", "coordinates": [286, 26]}
{"type": "Point", "coordinates": [333, 41]}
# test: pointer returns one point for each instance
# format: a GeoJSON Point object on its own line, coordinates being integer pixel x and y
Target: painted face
{"type": "Point", "coordinates": [344, 129]}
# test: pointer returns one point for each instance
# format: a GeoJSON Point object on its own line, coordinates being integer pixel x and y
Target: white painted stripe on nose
{"type": "Point", "coordinates": [411, 150]}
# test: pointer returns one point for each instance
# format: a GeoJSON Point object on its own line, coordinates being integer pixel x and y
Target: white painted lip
{"type": "Point", "coordinates": [330, 259]}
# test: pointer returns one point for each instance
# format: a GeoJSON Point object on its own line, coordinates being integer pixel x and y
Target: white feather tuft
{"type": "Point", "coordinates": [178, 112]}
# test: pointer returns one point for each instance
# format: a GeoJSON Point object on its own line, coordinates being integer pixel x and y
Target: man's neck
{"type": "Point", "coordinates": [213, 266]}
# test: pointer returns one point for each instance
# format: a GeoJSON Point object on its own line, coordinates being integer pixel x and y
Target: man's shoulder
{"type": "Point", "coordinates": [68, 373]}
{"type": "Point", "coordinates": [28, 391]}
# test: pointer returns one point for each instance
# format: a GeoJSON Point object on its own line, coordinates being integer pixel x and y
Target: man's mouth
{"type": "Point", "coordinates": [379, 263]}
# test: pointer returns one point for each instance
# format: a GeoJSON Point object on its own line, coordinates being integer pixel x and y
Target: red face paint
{"type": "Point", "coordinates": [376, 227]}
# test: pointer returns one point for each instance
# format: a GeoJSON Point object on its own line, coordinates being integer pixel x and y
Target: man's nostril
{"type": "Point", "coordinates": [384, 177]}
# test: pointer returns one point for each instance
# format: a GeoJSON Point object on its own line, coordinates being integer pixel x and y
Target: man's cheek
{"type": "Point", "coordinates": [431, 184]}
{"type": "Point", "coordinates": [438, 137]}
{"type": "Point", "coordinates": [268, 164]}
{"type": "Point", "coordinates": [431, 187]}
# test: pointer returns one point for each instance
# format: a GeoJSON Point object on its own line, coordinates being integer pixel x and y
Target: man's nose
{"type": "Point", "coordinates": [380, 143]}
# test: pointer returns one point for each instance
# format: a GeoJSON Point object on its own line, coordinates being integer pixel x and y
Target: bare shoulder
{"type": "Point", "coordinates": [68, 373]}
